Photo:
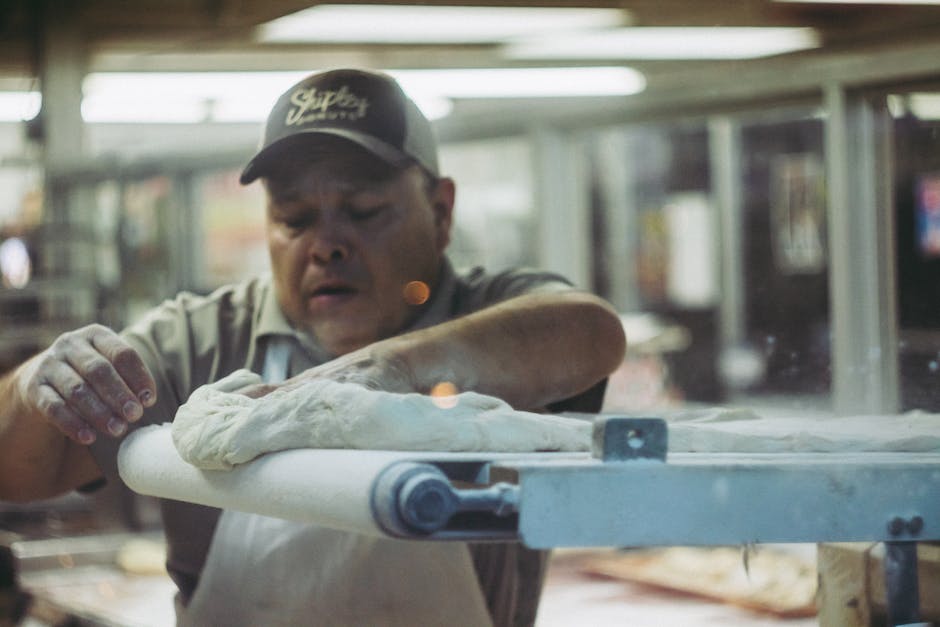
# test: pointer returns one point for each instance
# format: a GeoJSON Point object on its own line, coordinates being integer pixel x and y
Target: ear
{"type": "Point", "coordinates": [442, 203]}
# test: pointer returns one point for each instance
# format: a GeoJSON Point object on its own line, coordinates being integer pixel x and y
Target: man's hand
{"type": "Point", "coordinates": [88, 381]}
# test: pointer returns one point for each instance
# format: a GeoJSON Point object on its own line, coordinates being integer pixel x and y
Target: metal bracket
{"type": "Point", "coordinates": [900, 570]}
{"type": "Point", "coordinates": [900, 567]}
{"type": "Point", "coordinates": [417, 499]}
{"type": "Point", "coordinates": [621, 438]}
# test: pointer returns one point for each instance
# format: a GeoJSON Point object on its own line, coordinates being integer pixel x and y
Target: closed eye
{"type": "Point", "coordinates": [296, 223]}
{"type": "Point", "coordinates": [361, 214]}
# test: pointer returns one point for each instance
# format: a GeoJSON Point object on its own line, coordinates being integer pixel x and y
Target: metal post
{"type": "Point", "coordinates": [562, 203]}
{"type": "Point", "coordinates": [861, 279]}
{"type": "Point", "coordinates": [725, 157]}
{"type": "Point", "coordinates": [900, 567]}
{"type": "Point", "coordinates": [613, 151]}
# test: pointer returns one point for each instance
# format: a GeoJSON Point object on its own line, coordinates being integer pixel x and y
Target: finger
{"type": "Point", "coordinates": [93, 368]}
{"type": "Point", "coordinates": [128, 364]}
{"type": "Point", "coordinates": [54, 407]}
{"type": "Point", "coordinates": [83, 399]}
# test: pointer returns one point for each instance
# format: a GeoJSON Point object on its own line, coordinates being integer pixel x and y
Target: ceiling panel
{"type": "Point", "coordinates": [219, 34]}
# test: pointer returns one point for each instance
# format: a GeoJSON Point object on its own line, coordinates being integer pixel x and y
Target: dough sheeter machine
{"type": "Point", "coordinates": [628, 492]}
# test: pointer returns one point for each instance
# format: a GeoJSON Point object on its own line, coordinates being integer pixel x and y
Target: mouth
{"type": "Point", "coordinates": [333, 290]}
{"type": "Point", "coordinates": [332, 293]}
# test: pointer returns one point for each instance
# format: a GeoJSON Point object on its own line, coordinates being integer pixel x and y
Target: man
{"type": "Point", "coordinates": [358, 219]}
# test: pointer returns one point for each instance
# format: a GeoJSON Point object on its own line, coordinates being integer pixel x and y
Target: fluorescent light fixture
{"type": "Point", "coordinates": [391, 24]}
{"type": "Point", "coordinates": [523, 82]}
{"type": "Point", "coordinates": [922, 105]}
{"type": "Point", "coordinates": [19, 106]}
{"type": "Point", "coordinates": [891, 2]}
{"type": "Point", "coordinates": [925, 106]}
{"type": "Point", "coordinates": [193, 97]}
{"type": "Point", "coordinates": [667, 43]}
{"type": "Point", "coordinates": [183, 97]}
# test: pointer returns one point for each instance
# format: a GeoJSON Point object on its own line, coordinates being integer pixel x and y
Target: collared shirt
{"type": "Point", "coordinates": [193, 340]}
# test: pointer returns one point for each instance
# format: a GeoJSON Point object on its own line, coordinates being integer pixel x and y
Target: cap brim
{"type": "Point", "coordinates": [267, 158]}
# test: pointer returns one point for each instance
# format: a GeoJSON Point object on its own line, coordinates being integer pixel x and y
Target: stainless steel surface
{"type": "Point", "coordinates": [714, 499]}
{"type": "Point", "coordinates": [80, 579]}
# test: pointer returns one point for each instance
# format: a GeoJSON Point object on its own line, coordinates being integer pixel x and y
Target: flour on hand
{"type": "Point", "coordinates": [219, 428]}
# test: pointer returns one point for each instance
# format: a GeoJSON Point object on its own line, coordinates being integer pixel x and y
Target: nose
{"type": "Point", "coordinates": [328, 242]}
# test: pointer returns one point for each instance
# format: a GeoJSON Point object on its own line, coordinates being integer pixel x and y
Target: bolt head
{"type": "Point", "coordinates": [896, 526]}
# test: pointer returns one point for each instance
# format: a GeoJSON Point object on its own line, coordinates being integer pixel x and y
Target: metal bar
{"type": "Point", "coordinates": [725, 156]}
{"type": "Point", "coordinates": [715, 499]}
{"type": "Point", "coordinates": [561, 197]}
{"type": "Point", "coordinates": [900, 567]}
{"type": "Point", "coordinates": [864, 326]}
{"type": "Point", "coordinates": [613, 149]}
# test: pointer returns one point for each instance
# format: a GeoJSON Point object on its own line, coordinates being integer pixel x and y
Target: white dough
{"type": "Point", "coordinates": [217, 428]}
{"type": "Point", "coordinates": [723, 430]}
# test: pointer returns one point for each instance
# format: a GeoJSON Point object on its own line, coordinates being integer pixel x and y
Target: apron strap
{"type": "Point", "coordinates": [276, 359]}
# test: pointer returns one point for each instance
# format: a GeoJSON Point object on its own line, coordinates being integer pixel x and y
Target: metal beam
{"type": "Point", "coordinates": [725, 159]}
{"type": "Point", "coordinates": [561, 199]}
{"type": "Point", "coordinates": [862, 261]}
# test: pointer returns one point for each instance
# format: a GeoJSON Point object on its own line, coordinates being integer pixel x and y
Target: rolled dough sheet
{"type": "Point", "coordinates": [723, 430]}
{"type": "Point", "coordinates": [218, 428]}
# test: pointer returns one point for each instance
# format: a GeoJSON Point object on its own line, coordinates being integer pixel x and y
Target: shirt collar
{"type": "Point", "coordinates": [271, 320]}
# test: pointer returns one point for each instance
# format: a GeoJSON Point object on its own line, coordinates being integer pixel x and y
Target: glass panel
{"type": "Point", "coordinates": [785, 261]}
{"type": "Point", "coordinates": [671, 233]}
{"type": "Point", "coordinates": [20, 270]}
{"type": "Point", "coordinates": [145, 243]}
{"type": "Point", "coordinates": [917, 203]}
{"type": "Point", "coordinates": [493, 216]}
{"type": "Point", "coordinates": [20, 217]}
{"type": "Point", "coordinates": [230, 220]}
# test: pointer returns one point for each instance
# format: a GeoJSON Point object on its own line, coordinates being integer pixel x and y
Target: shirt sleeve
{"type": "Point", "coordinates": [478, 290]}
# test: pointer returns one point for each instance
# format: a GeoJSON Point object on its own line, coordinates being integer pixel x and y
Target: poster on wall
{"type": "Point", "coordinates": [927, 211]}
{"type": "Point", "coordinates": [798, 213]}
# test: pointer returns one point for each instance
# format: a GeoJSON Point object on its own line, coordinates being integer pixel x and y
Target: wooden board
{"type": "Point", "coordinates": [772, 582]}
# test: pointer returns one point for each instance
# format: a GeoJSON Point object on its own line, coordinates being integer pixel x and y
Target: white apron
{"type": "Point", "coordinates": [263, 571]}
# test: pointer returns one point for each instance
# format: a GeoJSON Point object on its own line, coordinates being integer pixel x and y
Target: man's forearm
{"type": "Point", "coordinates": [530, 351]}
{"type": "Point", "coordinates": [33, 453]}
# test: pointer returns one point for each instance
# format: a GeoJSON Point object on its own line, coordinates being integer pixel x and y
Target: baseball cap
{"type": "Point", "coordinates": [363, 106]}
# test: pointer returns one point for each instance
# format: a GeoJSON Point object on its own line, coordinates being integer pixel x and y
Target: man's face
{"type": "Point", "coordinates": [345, 242]}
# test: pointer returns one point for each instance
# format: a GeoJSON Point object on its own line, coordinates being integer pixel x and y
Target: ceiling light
{"type": "Point", "coordinates": [364, 23]}
{"type": "Point", "coordinates": [523, 82]}
{"type": "Point", "coordinates": [861, 1]}
{"type": "Point", "coordinates": [667, 43]}
{"type": "Point", "coordinates": [192, 97]}
{"type": "Point", "coordinates": [922, 105]}
{"type": "Point", "coordinates": [925, 106]}
{"type": "Point", "coordinates": [19, 106]}
{"type": "Point", "coordinates": [182, 97]}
